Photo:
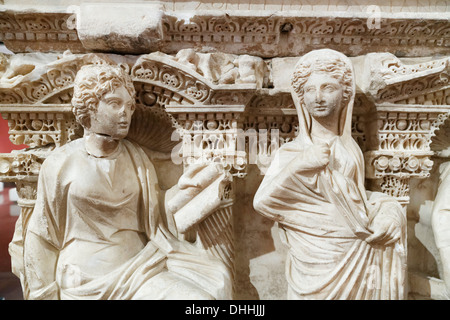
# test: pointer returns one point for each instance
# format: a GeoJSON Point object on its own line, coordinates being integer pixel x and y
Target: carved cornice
{"type": "Point", "coordinates": [32, 31]}
{"type": "Point", "coordinates": [270, 35]}
{"type": "Point", "coordinates": [264, 33]}
{"type": "Point", "coordinates": [417, 89]}
{"type": "Point", "coordinates": [392, 81]}
{"type": "Point", "coordinates": [189, 86]}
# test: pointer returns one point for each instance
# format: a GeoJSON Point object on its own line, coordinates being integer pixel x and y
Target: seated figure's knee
{"type": "Point", "coordinates": [169, 286]}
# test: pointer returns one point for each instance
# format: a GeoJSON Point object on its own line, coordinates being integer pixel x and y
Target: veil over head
{"type": "Point", "coordinates": [324, 213]}
{"type": "Point", "coordinates": [338, 66]}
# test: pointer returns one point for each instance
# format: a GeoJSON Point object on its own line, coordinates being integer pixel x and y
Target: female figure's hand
{"type": "Point", "coordinates": [316, 157]}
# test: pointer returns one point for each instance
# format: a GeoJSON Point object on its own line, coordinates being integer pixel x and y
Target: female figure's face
{"type": "Point", "coordinates": [113, 115]}
{"type": "Point", "coordinates": [323, 96]}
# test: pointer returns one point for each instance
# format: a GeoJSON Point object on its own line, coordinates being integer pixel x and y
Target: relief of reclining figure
{"type": "Point", "coordinates": [99, 229]}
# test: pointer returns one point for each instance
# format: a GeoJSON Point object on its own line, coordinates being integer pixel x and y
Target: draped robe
{"type": "Point", "coordinates": [101, 221]}
{"type": "Point", "coordinates": [324, 217]}
{"type": "Point", "coordinates": [441, 210]}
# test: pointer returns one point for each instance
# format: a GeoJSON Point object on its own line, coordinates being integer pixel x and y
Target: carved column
{"type": "Point", "coordinates": [409, 105]}
{"type": "Point", "coordinates": [210, 134]}
{"type": "Point", "coordinates": [404, 137]}
{"type": "Point", "coordinates": [22, 167]}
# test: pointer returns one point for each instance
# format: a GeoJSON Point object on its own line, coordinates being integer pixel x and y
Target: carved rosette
{"type": "Point", "coordinates": [20, 166]}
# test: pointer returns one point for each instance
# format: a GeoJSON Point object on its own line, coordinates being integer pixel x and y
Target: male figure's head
{"type": "Point", "coordinates": [103, 100]}
{"type": "Point", "coordinates": [323, 83]}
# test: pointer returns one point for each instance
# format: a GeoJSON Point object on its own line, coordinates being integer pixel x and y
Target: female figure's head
{"type": "Point", "coordinates": [103, 100]}
{"type": "Point", "coordinates": [322, 83]}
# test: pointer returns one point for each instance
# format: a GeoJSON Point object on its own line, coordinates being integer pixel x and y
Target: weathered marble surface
{"type": "Point", "coordinates": [262, 28]}
{"type": "Point", "coordinates": [99, 229]}
{"type": "Point", "coordinates": [212, 83]}
{"type": "Point", "coordinates": [340, 239]}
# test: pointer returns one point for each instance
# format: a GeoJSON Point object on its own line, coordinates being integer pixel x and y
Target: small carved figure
{"type": "Point", "coordinates": [440, 221]}
{"type": "Point", "coordinates": [223, 68]}
{"type": "Point", "coordinates": [99, 228]}
{"type": "Point", "coordinates": [344, 242]}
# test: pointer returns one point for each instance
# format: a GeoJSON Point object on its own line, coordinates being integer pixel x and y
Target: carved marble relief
{"type": "Point", "coordinates": [235, 125]}
{"type": "Point", "coordinates": [261, 33]}
{"type": "Point", "coordinates": [338, 236]}
{"type": "Point", "coordinates": [214, 113]}
{"type": "Point", "coordinates": [128, 254]}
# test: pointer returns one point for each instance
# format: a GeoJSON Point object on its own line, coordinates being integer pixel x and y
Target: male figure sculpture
{"type": "Point", "coordinates": [98, 229]}
{"type": "Point", "coordinates": [344, 242]}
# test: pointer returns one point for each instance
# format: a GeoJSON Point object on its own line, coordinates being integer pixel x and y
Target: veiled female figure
{"type": "Point", "coordinates": [344, 242]}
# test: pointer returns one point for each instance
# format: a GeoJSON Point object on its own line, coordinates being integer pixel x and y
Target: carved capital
{"type": "Point", "coordinates": [410, 105]}
{"type": "Point", "coordinates": [41, 125]}
{"type": "Point", "coordinates": [211, 134]}
{"type": "Point", "coordinates": [20, 166]}
{"type": "Point", "coordinates": [401, 165]}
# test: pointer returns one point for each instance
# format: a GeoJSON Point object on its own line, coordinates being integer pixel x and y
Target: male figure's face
{"type": "Point", "coordinates": [113, 115]}
{"type": "Point", "coordinates": [323, 95]}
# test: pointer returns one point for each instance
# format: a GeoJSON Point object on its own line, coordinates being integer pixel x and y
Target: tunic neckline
{"type": "Point", "coordinates": [112, 156]}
